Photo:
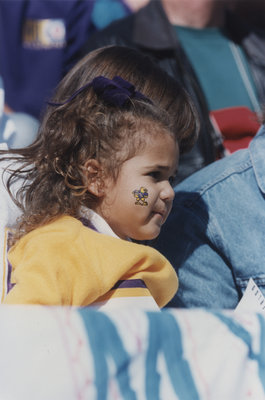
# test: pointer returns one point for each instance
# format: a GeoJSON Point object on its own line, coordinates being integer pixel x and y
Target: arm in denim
{"type": "Point", "coordinates": [194, 244]}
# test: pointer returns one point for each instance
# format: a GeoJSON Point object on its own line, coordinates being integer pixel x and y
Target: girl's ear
{"type": "Point", "coordinates": [93, 177]}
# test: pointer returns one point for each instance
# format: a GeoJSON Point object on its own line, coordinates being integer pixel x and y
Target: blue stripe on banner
{"type": "Point", "coordinates": [165, 337]}
{"type": "Point", "coordinates": [245, 336]}
{"type": "Point", "coordinates": [129, 283]}
{"type": "Point", "coordinates": [238, 330]}
{"type": "Point", "coordinates": [106, 342]}
{"type": "Point", "coordinates": [152, 378]}
{"type": "Point", "coordinates": [261, 357]}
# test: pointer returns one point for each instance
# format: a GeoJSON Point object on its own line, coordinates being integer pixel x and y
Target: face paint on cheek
{"type": "Point", "coordinates": [140, 196]}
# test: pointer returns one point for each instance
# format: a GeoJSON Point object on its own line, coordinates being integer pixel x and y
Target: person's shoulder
{"type": "Point", "coordinates": [239, 29]}
{"type": "Point", "coordinates": [215, 174]}
{"type": "Point", "coordinates": [119, 32]}
{"type": "Point", "coordinates": [120, 27]}
{"type": "Point", "coordinates": [63, 227]}
{"type": "Point", "coordinates": [68, 229]}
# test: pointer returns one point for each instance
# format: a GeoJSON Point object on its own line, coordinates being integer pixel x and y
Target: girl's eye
{"type": "Point", "coordinates": [172, 180]}
{"type": "Point", "coordinates": [155, 175]}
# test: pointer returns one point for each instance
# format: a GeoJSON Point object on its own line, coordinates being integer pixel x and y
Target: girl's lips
{"type": "Point", "coordinates": [161, 214]}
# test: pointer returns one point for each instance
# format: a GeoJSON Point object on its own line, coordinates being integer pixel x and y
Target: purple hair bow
{"type": "Point", "coordinates": [116, 91]}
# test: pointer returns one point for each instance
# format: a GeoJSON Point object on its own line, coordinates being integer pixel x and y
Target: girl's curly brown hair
{"type": "Point", "coordinates": [52, 168]}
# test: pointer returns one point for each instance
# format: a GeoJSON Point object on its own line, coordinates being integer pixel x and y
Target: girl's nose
{"type": "Point", "coordinates": [167, 192]}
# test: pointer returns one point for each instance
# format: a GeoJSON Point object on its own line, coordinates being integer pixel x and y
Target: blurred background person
{"type": "Point", "coordinates": [7, 127]}
{"type": "Point", "coordinates": [39, 42]}
{"type": "Point", "coordinates": [253, 11]}
{"type": "Point", "coordinates": [106, 11]}
{"type": "Point", "coordinates": [218, 58]}
{"type": "Point", "coordinates": [17, 129]}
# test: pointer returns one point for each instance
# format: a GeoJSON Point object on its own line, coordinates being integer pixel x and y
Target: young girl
{"type": "Point", "coordinates": [99, 176]}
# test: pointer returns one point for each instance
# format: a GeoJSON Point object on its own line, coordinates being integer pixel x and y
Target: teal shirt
{"type": "Point", "coordinates": [211, 56]}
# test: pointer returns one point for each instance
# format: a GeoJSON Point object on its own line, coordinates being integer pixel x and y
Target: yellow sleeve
{"type": "Point", "coordinates": [65, 263]}
{"type": "Point", "coordinates": [48, 267]}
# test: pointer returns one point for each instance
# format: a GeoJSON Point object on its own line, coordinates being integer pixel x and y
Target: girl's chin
{"type": "Point", "coordinates": [148, 236]}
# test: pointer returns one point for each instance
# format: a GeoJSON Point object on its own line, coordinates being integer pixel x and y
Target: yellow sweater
{"type": "Point", "coordinates": [66, 263]}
